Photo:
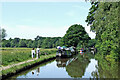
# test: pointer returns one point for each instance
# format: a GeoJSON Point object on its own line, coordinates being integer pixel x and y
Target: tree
{"type": "Point", "coordinates": [91, 14]}
{"type": "Point", "coordinates": [22, 43]}
{"type": "Point", "coordinates": [6, 43]}
{"type": "Point", "coordinates": [74, 35]}
{"type": "Point", "coordinates": [34, 44]}
{"type": "Point", "coordinates": [91, 43]}
{"type": "Point", "coordinates": [29, 45]}
{"type": "Point", "coordinates": [10, 39]}
{"type": "Point", "coordinates": [3, 33]}
{"type": "Point", "coordinates": [106, 27]}
{"type": "Point", "coordinates": [14, 42]}
{"type": "Point", "coordinates": [45, 43]}
{"type": "Point", "coordinates": [40, 43]}
{"type": "Point", "coordinates": [38, 38]}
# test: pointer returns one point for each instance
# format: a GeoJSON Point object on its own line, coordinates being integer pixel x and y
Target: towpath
{"type": "Point", "coordinates": [9, 66]}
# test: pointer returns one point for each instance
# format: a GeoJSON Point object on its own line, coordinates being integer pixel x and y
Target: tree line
{"type": "Point", "coordinates": [41, 42]}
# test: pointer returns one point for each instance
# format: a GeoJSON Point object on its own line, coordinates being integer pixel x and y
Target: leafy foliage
{"type": "Point", "coordinates": [107, 68]}
{"type": "Point", "coordinates": [3, 33]}
{"type": "Point", "coordinates": [75, 34]}
{"type": "Point", "coordinates": [41, 42]}
{"type": "Point", "coordinates": [106, 26]}
{"type": "Point", "coordinates": [91, 43]}
{"type": "Point", "coordinates": [78, 66]}
{"type": "Point", "coordinates": [90, 18]}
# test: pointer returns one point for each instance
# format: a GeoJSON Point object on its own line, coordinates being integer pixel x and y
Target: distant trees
{"type": "Point", "coordinates": [22, 43]}
{"type": "Point", "coordinates": [74, 35]}
{"type": "Point", "coordinates": [42, 42]}
{"type": "Point", "coordinates": [29, 44]}
{"type": "Point", "coordinates": [6, 43]}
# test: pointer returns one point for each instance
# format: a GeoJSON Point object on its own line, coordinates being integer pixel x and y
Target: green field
{"type": "Point", "coordinates": [15, 55]}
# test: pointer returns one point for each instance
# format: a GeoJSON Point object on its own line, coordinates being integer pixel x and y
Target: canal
{"type": "Point", "coordinates": [79, 66]}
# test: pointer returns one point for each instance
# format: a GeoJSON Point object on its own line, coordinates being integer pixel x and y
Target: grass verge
{"type": "Point", "coordinates": [13, 70]}
{"type": "Point", "coordinates": [15, 55]}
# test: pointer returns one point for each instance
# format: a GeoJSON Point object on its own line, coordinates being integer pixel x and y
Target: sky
{"type": "Point", "coordinates": [48, 19]}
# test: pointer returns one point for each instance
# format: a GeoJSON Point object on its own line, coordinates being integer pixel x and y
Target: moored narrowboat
{"type": "Point", "coordinates": [65, 52]}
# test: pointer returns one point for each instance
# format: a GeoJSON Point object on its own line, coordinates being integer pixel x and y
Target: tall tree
{"type": "Point", "coordinates": [74, 35]}
{"type": "Point", "coordinates": [3, 33]}
{"type": "Point", "coordinates": [91, 14]}
{"type": "Point", "coordinates": [106, 27]}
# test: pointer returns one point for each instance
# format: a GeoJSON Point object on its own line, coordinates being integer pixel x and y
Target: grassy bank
{"type": "Point", "coordinates": [16, 69]}
{"type": "Point", "coordinates": [16, 55]}
{"type": "Point", "coordinates": [12, 56]}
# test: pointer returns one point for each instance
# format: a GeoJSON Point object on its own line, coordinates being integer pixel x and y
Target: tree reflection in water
{"type": "Point", "coordinates": [107, 69]}
{"type": "Point", "coordinates": [77, 67]}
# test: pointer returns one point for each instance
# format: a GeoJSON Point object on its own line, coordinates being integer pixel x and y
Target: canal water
{"type": "Point", "coordinates": [79, 66]}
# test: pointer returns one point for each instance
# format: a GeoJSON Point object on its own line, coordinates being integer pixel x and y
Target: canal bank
{"type": "Point", "coordinates": [17, 69]}
{"type": "Point", "coordinates": [77, 67]}
{"type": "Point", "coordinates": [59, 68]}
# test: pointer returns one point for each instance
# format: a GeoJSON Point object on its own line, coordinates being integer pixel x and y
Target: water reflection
{"type": "Point", "coordinates": [79, 66]}
{"type": "Point", "coordinates": [38, 71]}
{"type": "Point", "coordinates": [91, 68]}
{"type": "Point", "coordinates": [61, 62]}
{"type": "Point", "coordinates": [107, 69]}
